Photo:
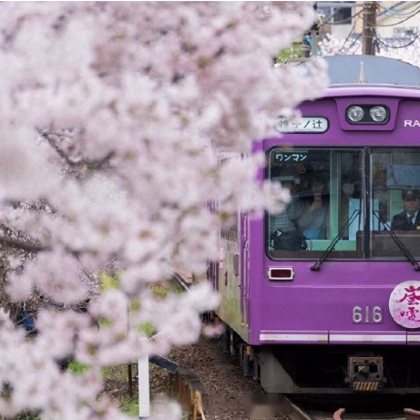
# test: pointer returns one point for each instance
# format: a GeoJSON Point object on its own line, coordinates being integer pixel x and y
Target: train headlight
{"type": "Point", "coordinates": [378, 113]}
{"type": "Point", "coordinates": [355, 114]}
{"type": "Point", "coordinates": [367, 114]}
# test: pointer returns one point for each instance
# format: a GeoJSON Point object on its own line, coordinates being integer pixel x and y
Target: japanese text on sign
{"type": "Point", "coordinates": [302, 125]}
{"type": "Point", "coordinates": [404, 304]}
{"type": "Point", "coordinates": [290, 157]}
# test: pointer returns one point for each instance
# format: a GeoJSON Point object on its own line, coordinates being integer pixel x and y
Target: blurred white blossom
{"type": "Point", "coordinates": [111, 112]}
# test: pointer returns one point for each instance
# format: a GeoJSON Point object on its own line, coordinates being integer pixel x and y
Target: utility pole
{"type": "Point", "coordinates": [369, 26]}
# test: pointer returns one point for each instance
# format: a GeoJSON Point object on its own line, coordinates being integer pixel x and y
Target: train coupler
{"type": "Point", "coordinates": [365, 373]}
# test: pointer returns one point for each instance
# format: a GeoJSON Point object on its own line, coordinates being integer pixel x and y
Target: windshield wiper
{"type": "Point", "coordinates": [397, 240]}
{"type": "Point", "coordinates": [327, 252]}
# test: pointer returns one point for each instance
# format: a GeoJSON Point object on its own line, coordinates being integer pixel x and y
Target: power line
{"type": "Point", "coordinates": [324, 22]}
{"type": "Point", "coordinates": [357, 38]}
{"type": "Point", "coordinates": [407, 16]}
{"type": "Point", "coordinates": [349, 19]}
{"type": "Point", "coordinates": [412, 14]}
{"type": "Point", "coordinates": [349, 36]}
{"type": "Point", "coordinates": [415, 49]}
{"type": "Point", "coordinates": [392, 11]}
{"type": "Point", "coordinates": [377, 39]}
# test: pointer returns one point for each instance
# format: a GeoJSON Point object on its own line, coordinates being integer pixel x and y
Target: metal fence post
{"type": "Point", "coordinates": [144, 387]}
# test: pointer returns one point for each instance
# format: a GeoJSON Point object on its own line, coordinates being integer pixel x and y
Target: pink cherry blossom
{"type": "Point", "coordinates": [112, 114]}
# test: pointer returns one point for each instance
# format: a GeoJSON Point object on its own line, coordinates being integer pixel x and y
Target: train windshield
{"type": "Point", "coordinates": [356, 203]}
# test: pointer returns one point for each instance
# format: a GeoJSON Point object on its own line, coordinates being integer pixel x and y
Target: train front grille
{"type": "Point", "coordinates": [365, 373]}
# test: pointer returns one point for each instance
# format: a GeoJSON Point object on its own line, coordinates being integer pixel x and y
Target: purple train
{"type": "Point", "coordinates": [331, 303]}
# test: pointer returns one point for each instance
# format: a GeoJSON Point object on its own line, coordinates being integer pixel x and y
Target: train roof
{"type": "Point", "coordinates": [367, 90]}
{"type": "Point", "coordinates": [370, 69]}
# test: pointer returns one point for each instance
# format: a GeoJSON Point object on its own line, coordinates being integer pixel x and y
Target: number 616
{"type": "Point", "coordinates": [367, 314]}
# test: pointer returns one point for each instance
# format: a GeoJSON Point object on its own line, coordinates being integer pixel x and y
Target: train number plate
{"type": "Point", "coordinates": [367, 315]}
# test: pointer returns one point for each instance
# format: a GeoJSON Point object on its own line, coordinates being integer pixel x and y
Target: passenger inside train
{"type": "Point", "coordinates": [331, 191]}
{"type": "Point", "coordinates": [313, 207]}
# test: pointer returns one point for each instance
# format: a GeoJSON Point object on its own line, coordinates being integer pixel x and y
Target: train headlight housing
{"type": "Point", "coordinates": [355, 114]}
{"type": "Point", "coordinates": [378, 113]}
{"type": "Point", "coordinates": [367, 114]}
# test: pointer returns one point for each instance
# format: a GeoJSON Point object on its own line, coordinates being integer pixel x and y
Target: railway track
{"type": "Point", "coordinates": [407, 414]}
{"type": "Point", "coordinates": [196, 390]}
{"type": "Point", "coordinates": [287, 410]}
{"type": "Point", "coordinates": [364, 406]}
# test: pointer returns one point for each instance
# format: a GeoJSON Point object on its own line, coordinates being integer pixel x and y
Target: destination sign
{"type": "Point", "coordinates": [302, 125]}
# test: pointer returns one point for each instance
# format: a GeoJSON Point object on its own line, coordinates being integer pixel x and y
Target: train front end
{"type": "Point", "coordinates": [339, 309]}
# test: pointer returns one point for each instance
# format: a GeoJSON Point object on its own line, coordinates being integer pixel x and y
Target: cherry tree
{"type": "Point", "coordinates": [111, 115]}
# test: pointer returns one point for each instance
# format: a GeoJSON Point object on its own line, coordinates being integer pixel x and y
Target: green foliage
{"type": "Point", "coordinates": [148, 329]}
{"type": "Point", "coordinates": [177, 289]}
{"type": "Point", "coordinates": [118, 377]}
{"type": "Point", "coordinates": [77, 368]}
{"type": "Point", "coordinates": [115, 373]}
{"type": "Point", "coordinates": [109, 282]}
{"type": "Point", "coordinates": [294, 51]}
{"type": "Point", "coordinates": [160, 290]}
{"type": "Point", "coordinates": [129, 405]}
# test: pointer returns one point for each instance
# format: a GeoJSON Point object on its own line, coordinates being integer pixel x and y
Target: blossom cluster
{"type": "Point", "coordinates": [111, 115]}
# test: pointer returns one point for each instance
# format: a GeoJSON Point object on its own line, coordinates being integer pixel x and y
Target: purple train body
{"type": "Point", "coordinates": [342, 315]}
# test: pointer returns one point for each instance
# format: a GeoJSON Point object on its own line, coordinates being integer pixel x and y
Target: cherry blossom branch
{"type": "Point", "coordinates": [23, 245]}
{"type": "Point", "coordinates": [94, 164]}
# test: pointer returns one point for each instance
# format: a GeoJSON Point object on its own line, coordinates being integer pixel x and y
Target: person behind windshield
{"type": "Point", "coordinates": [285, 220]}
{"type": "Point", "coordinates": [409, 219]}
{"type": "Point", "coordinates": [313, 211]}
{"type": "Point", "coordinates": [284, 233]}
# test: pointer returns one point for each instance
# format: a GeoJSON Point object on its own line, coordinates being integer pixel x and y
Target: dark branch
{"type": "Point", "coordinates": [26, 246]}
{"type": "Point", "coordinates": [89, 164]}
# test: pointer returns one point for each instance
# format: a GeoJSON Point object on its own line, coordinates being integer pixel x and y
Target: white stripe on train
{"type": "Point", "coordinates": [341, 338]}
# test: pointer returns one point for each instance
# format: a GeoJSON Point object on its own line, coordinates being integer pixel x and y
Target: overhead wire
{"type": "Point", "coordinates": [341, 22]}
{"type": "Point", "coordinates": [356, 17]}
{"type": "Point", "coordinates": [330, 17]}
{"type": "Point", "coordinates": [415, 39]}
{"type": "Point", "coordinates": [350, 35]}
{"type": "Point", "coordinates": [412, 14]}
{"type": "Point", "coordinates": [408, 15]}
{"type": "Point", "coordinates": [377, 39]}
{"type": "Point", "coordinates": [394, 12]}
